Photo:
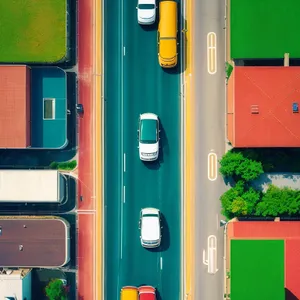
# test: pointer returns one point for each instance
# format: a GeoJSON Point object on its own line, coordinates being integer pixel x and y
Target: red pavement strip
{"type": "Point", "coordinates": [286, 230]}
{"type": "Point", "coordinates": [86, 172]}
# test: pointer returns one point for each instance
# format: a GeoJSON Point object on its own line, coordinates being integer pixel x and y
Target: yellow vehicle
{"type": "Point", "coordinates": [129, 293]}
{"type": "Point", "coordinates": [167, 34]}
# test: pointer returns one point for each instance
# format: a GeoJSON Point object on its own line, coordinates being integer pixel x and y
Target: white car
{"type": "Point", "coordinates": [146, 12]}
{"type": "Point", "coordinates": [148, 136]}
{"type": "Point", "coordinates": [150, 227]}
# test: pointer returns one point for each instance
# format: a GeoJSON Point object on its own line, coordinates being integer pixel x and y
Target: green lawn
{"type": "Point", "coordinates": [257, 270]}
{"type": "Point", "coordinates": [264, 28]}
{"type": "Point", "coordinates": [32, 31]}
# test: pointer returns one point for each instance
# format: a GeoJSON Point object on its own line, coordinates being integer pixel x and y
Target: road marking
{"type": "Point", "coordinates": [124, 193]}
{"type": "Point", "coordinates": [211, 53]}
{"type": "Point", "coordinates": [161, 263]}
{"type": "Point", "coordinates": [212, 166]}
{"type": "Point", "coordinates": [211, 260]}
{"type": "Point", "coordinates": [124, 163]}
{"type": "Point", "coordinates": [124, 51]}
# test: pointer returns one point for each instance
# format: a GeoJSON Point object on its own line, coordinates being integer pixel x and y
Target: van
{"type": "Point", "coordinates": [167, 34]}
{"type": "Point", "coordinates": [129, 293]}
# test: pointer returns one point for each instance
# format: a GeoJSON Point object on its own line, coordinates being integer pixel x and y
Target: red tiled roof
{"type": "Point", "coordinates": [15, 107]}
{"type": "Point", "coordinates": [271, 91]}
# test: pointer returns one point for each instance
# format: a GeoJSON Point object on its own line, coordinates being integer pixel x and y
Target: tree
{"type": "Point", "coordinates": [278, 202]}
{"type": "Point", "coordinates": [230, 162]}
{"type": "Point", "coordinates": [55, 290]}
{"type": "Point", "coordinates": [249, 169]}
{"type": "Point", "coordinates": [236, 165]}
{"type": "Point", "coordinates": [240, 200]}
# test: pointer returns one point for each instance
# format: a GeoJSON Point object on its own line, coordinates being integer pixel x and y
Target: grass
{"type": "Point", "coordinates": [257, 270]}
{"type": "Point", "coordinates": [264, 28]}
{"type": "Point", "coordinates": [32, 31]}
{"type": "Point", "coordinates": [228, 69]}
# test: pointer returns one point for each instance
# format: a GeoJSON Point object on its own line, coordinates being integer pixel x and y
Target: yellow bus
{"type": "Point", "coordinates": [167, 34]}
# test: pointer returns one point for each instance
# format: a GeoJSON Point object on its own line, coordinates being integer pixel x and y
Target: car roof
{"type": "Point", "coordinates": [129, 293]}
{"type": "Point", "coordinates": [148, 129]}
{"type": "Point", "coordinates": [147, 296]}
{"type": "Point", "coordinates": [146, 2]}
{"type": "Point", "coordinates": [150, 227]}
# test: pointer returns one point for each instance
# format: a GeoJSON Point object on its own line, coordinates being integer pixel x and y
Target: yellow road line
{"type": "Point", "coordinates": [189, 171]}
{"type": "Point", "coordinates": [98, 146]}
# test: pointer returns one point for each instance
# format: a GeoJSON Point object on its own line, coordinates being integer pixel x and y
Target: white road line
{"type": "Point", "coordinates": [124, 193]}
{"type": "Point", "coordinates": [212, 166]}
{"type": "Point", "coordinates": [121, 229]}
{"type": "Point", "coordinates": [124, 51]}
{"type": "Point", "coordinates": [124, 162]}
{"type": "Point", "coordinates": [161, 263]}
{"type": "Point", "coordinates": [211, 53]}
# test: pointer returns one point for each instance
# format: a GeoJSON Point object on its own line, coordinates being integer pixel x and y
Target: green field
{"type": "Point", "coordinates": [257, 270]}
{"type": "Point", "coordinates": [32, 31]}
{"type": "Point", "coordinates": [264, 28]}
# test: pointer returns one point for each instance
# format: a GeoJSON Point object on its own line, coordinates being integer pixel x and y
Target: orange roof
{"type": "Point", "coordinates": [263, 99]}
{"type": "Point", "coordinates": [15, 107]}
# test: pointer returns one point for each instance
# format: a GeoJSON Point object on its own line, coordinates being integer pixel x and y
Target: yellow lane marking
{"type": "Point", "coordinates": [211, 53]}
{"type": "Point", "coordinates": [189, 171]}
{"type": "Point", "coordinates": [98, 146]}
{"type": "Point", "coordinates": [212, 166]}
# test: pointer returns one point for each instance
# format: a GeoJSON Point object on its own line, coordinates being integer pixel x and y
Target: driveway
{"type": "Point", "coordinates": [291, 180]}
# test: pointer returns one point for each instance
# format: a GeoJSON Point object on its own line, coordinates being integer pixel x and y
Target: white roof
{"type": "Point", "coordinates": [11, 286]}
{"type": "Point", "coordinates": [150, 225]}
{"type": "Point", "coordinates": [29, 185]}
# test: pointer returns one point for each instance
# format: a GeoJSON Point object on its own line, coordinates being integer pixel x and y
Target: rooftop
{"type": "Point", "coordinates": [269, 233]}
{"type": "Point", "coordinates": [34, 241]}
{"type": "Point", "coordinates": [15, 106]}
{"type": "Point", "coordinates": [264, 28]}
{"type": "Point", "coordinates": [48, 107]}
{"type": "Point", "coordinates": [263, 107]}
{"type": "Point", "coordinates": [15, 283]}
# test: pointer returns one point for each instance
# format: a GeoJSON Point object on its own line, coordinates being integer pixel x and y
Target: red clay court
{"type": "Point", "coordinates": [289, 232]}
{"type": "Point", "coordinates": [263, 107]}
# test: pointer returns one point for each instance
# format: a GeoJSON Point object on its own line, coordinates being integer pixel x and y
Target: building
{"type": "Point", "coordinates": [33, 107]}
{"type": "Point", "coordinates": [33, 186]}
{"type": "Point", "coordinates": [15, 284]}
{"type": "Point", "coordinates": [263, 107]}
{"type": "Point", "coordinates": [262, 260]}
{"type": "Point", "coordinates": [28, 241]}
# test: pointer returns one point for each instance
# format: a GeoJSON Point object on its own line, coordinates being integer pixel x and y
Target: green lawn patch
{"type": "Point", "coordinates": [257, 270]}
{"type": "Point", "coordinates": [33, 31]}
{"type": "Point", "coordinates": [264, 28]}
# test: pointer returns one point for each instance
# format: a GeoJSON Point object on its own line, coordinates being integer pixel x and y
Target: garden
{"type": "Point", "coordinates": [243, 199]}
{"type": "Point", "coordinates": [33, 31]}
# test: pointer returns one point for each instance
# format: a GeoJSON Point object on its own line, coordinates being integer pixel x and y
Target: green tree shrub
{"type": "Point", "coordinates": [234, 164]}
{"type": "Point", "coordinates": [68, 165]}
{"type": "Point", "coordinates": [239, 201]}
{"type": "Point", "coordinates": [55, 290]}
{"type": "Point", "coordinates": [279, 202]}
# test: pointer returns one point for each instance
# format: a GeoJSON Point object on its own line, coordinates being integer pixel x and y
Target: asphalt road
{"type": "Point", "coordinates": [208, 16]}
{"type": "Point", "coordinates": [134, 84]}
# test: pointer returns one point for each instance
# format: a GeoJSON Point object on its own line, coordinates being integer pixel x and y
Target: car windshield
{"type": "Point", "coordinates": [146, 6]}
{"type": "Point", "coordinates": [148, 131]}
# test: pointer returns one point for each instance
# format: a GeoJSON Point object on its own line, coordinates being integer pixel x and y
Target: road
{"type": "Point", "coordinates": [134, 84]}
{"type": "Point", "coordinates": [208, 16]}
